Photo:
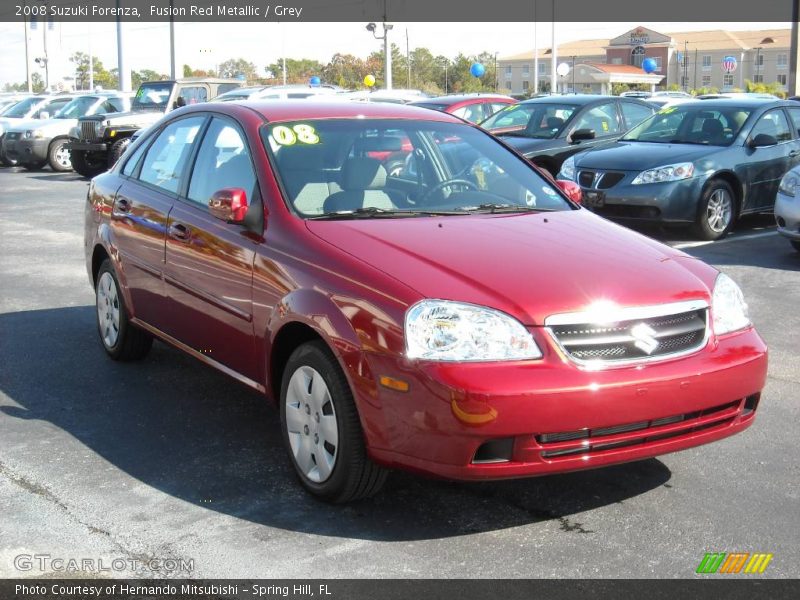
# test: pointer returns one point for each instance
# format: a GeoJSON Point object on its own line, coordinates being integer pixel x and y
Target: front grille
{"type": "Point", "coordinates": [13, 135]}
{"type": "Point", "coordinates": [599, 180]}
{"type": "Point", "coordinates": [591, 441]}
{"type": "Point", "coordinates": [631, 335]}
{"type": "Point", "coordinates": [89, 130]}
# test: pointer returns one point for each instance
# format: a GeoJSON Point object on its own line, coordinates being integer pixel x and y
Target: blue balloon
{"type": "Point", "coordinates": [649, 65]}
{"type": "Point", "coordinates": [314, 80]}
{"type": "Point", "coordinates": [477, 69]}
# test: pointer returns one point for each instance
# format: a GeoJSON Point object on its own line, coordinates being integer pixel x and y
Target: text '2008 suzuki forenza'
{"type": "Point", "coordinates": [458, 316]}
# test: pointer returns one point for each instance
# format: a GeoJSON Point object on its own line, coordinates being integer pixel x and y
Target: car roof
{"type": "Point", "coordinates": [288, 110]}
{"type": "Point", "coordinates": [456, 98]}
{"type": "Point", "coordinates": [577, 99]}
{"type": "Point", "coordinates": [722, 102]}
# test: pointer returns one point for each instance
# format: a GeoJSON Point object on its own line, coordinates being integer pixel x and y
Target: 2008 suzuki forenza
{"type": "Point", "coordinates": [456, 315]}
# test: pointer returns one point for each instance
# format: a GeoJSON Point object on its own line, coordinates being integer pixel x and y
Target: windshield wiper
{"type": "Point", "coordinates": [373, 211]}
{"type": "Point", "coordinates": [504, 208]}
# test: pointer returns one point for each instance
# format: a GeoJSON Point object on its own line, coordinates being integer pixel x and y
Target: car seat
{"type": "Point", "coordinates": [364, 183]}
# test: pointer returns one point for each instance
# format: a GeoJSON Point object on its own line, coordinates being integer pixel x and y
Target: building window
{"type": "Point", "coordinates": [658, 63]}
{"type": "Point", "coordinates": [684, 81]}
{"type": "Point", "coordinates": [782, 79]}
{"type": "Point", "coordinates": [759, 60]}
{"type": "Point", "coordinates": [727, 80]}
{"type": "Point", "coordinates": [783, 61]}
{"type": "Point", "coordinates": [525, 86]}
{"type": "Point", "coordinates": [616, 61]}
{"type": "Point", "coordinates": [758, 79]}
{"type": "Point", "coordinates": [706, 62]}
{"type": "Point", "coordinates": [508, 72]}
{"type": "Point", "coordinates": [542, 68]}
{"type": "Point", "coordinates": [706, 80]}
{"type": "Point", "coordinates": [637, 56]}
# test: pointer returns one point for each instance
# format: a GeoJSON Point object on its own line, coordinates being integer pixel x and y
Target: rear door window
{"type": "Point", "coordinates": [774, 124]}
{"type": "Point", "coordinates": [167, 156]}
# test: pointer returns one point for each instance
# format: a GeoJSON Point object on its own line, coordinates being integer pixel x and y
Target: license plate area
{"type": "Point", "coordinates": [594, 199]}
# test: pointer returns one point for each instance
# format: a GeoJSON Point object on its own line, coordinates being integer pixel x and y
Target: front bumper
{"type": "Point", "coordinates": [787, 215]}
{"type": "Point", "coordinates": [87, 146]}
{"type": "Point", "coordinates": [443, 424]}
{"type": "Point", "coordinates": [26, 150]}
{"type": "Point", "coordinates": [670, 202]}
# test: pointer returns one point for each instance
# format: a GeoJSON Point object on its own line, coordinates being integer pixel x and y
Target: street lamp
{"type": "Point", "coordinates": [445, 65]}
{"type": "Point", "coordinates": [757, 68]}
{"type": "Point", "coordinates": [387, 53]}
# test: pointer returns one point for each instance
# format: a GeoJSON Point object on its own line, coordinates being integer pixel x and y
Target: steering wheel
{"type": "Point", "coordinates": [447, 183]}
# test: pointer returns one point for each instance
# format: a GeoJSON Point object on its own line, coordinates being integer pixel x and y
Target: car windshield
{"type": "Point", "coordinates": [79, 107]}
{"type": "Point", "coordinates": [22, 108]}
{"type": "Point", "coordinates": [152, 96]}
{"type": "Point", "coordinates": [691, 124]}
{"type": "Point", "coordinates": [377, 168]}
{"type": "Point", "coordinates": [531, 119]}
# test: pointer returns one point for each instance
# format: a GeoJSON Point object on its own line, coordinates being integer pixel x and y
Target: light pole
{"type": "Point", "coordinates": [445, 64]}
{"type": "Point", "coordinates": [757, 68]}
{"type": "Point", "coordinates": [387, 52]}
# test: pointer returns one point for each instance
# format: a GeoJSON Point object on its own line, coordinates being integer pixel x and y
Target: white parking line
{"type": "Point", "coordinates": [737, 238]}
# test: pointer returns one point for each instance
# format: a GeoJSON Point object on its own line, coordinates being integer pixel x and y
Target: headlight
{"type": "Point", "coordinates": [789, 183]}
{"type": "Point", "coordinates": [728, 306]}
{"type": "Point", "coordinates": [453, 331]}
{"type": "Point", "coordinates": [568, 169]}
{"type": "Point", "coordinates": [34, 133]}
{"type": "Point", "coordinates": [666, 173]}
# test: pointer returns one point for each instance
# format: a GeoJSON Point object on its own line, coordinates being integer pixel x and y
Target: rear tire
{"type": "Point", "coordinates": [58, 157]}
{"type": "Point", "coordinates": [716, 212]}
{"type": "Point", "coordinates": [84, 164]}
{"type": "Point", "coordinates": [321, 428]}
{"type": "Point", "coordinates": [33, 166]}
{"type": "Point", "coordinates": [121, 340]}
{"type": "Point", "coordinates": [117, 150]}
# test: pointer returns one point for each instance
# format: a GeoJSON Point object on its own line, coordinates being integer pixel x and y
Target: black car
{"type": "Point", "coordinates": [550, 129]}
{"type": "Point", "coordinates": [703, 162]}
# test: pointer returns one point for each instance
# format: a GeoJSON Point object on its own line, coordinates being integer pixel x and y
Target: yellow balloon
{"type": "Point", "coordinates": [369, 80]}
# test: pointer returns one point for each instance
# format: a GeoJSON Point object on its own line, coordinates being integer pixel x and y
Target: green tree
{"type": "Point", "coordinates": [102, 78]}
{"type": "Point", "coordinates": [138, 77]}
{"type": "Point", "coordinates": [299, 70]}
{"type": "Point", "coordinates": [236, 67]}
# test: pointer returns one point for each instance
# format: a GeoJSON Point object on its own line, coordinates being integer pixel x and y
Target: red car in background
{"type": "Point", "coordinates": [470, 107]}
{"type": "Point", "coordinates": [462, 318]}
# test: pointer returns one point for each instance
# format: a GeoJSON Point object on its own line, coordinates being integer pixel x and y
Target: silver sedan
{"type": "Point", "coordinates": [787, 207]}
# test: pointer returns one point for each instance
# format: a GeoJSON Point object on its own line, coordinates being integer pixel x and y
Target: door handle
{"type": "Point", "coordinates": [123, 205]}
{"type": "Point", "coordinates": [179, 231]}
{"type": "Point", "coordinates": [794, 153]}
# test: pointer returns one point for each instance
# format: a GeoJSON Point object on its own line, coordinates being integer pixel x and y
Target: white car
{"type": "Point", "coordinates": [40, 106]}
{"type": "Point", "coordinates": [787, 207]}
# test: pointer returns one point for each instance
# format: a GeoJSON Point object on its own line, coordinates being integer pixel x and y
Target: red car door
{"type": "Point", "coordinates": [209, 262]}
{"type": "Point", "coordinates": [139, 216]}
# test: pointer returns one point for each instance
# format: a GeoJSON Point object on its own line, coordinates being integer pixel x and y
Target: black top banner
{"type": "Point", "coordinates": [398, 10]}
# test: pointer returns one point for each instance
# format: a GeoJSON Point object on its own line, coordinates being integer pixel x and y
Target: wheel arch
{"type": "Point", "coordinates": [732, 180]}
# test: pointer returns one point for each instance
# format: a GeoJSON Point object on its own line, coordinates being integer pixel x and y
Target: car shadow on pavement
{"type": "Point", "coordinates": [50, 176]}
{"type": "Point", "coordinates": [188, 431]}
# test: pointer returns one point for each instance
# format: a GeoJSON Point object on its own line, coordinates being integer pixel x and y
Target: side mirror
{"type": "Point", "coordinates": [571, 189]}
{"type": "Point", "coordinates": [44, 115]}
{"type": "Point", "coordinates": [761, 140]}
{"type": "Point", "coordinates": [580, 135]}
{"type": "Point", "coordinates": [229, 205]}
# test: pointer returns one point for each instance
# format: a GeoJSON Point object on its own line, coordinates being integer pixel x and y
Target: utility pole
{"type": "Point", "coordinates": [123, 74]}
{"type": "Point", "coordinates": [553, 55]}
{"type": "Point", "coordinates": [27, 59]}
{"type": "Point", "coordinates": [535, 52]}
{"type": "Point", "coordinates": [793, 84]}
{"type": "Point", "coordinates": [172, 66]}
{"type": "Point", "coordinates": [91, 60]}
{"type": "Point", "coordinates": [408, 62]}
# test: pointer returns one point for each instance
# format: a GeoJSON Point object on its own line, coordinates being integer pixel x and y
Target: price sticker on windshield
{"type": "Point", "coordinates": [302, 132]}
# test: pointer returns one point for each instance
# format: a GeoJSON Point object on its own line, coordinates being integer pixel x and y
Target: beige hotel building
{"type": "Point", "coordinates": [691, 59]}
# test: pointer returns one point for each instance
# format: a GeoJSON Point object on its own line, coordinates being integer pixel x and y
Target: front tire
{"type": "Point", "coordinates": [795, 244]}
{"type": "Point", "coordinates": [117, 150]}
{"type": "Point", "coordinates": [321, 428]}
{"type": "Point", "coordinates": [4, 159]}
{"type": "Point", "coordinates": [121, 340]}
{"type": "Point", "coordinates": [84, 164]}
{"type": "Point", "coordinates": [58, 156]}
{"type": "Point", "coordinates": [716, 212]}
{"type": "Point", "coordinates": [37, 166]}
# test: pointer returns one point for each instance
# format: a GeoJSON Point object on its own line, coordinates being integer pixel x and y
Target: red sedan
{"type": "Point", "coordinates": [470, 107]}
{"type": "Point", "coordinates": [460, 317]}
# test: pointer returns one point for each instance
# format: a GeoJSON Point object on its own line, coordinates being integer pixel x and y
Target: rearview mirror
{"type": "Point", "coordinates": [229, 205]}
{"type": "Point", "coordinates": [761, 140]}
{"type": "Point", "coordinates": [580, 135]}
{"type": "Point", "coordinates": [571, 189]}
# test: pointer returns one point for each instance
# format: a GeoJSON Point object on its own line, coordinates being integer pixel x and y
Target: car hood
{"type": "Point", "coordinates": [136, 119]}
{"type": "Point", "coordinates": [525, 145]}
{"type": "Point", "coordinates": [530, 266]}
{"type": "Point", "coordinates": [638, 156]}
{"type": "Point", "coordinates": [51, 127]}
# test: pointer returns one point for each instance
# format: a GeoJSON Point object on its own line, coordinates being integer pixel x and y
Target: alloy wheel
{"type": "Point", "coordinates": [108, 309]}
{"type": "Point", "coordinates": [719, 210]}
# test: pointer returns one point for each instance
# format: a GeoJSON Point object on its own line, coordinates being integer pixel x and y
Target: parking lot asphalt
{"type": "Point", "coordinates": [167, 458]}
